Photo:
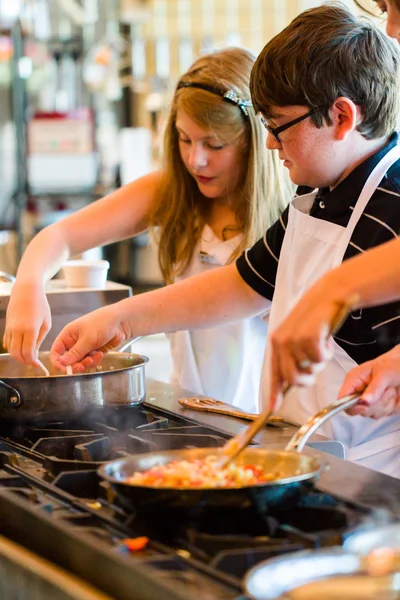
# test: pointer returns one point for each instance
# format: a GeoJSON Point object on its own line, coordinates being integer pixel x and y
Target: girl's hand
{"type": "Point", "coordinates": [28, 321]}
{"type": "Point", "coordinates": [379, 382]}
{"type": "Point", "coordinates": [83, 342]}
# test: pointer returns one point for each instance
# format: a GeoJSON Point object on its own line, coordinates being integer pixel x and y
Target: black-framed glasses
{"type": "Point", "coordinates": [275, 131]}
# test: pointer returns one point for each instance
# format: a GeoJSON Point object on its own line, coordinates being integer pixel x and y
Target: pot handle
{"type": "Point", "coordinates": [300, 438]}
{"type": "Point", "coordinates": [12, 397]}
{"type": "Point", "coordinates": [127, 343]}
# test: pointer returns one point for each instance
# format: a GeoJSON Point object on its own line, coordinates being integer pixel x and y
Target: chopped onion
{"type": "Point", "coordinates": [45, 371]}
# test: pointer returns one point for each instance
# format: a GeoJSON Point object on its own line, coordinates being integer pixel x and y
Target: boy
{"type": "Point", "coordinates": [327, 88]}
{"type": "Point", "coordinates": [375, 278]}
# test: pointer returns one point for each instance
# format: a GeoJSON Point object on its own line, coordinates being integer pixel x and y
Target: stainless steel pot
{"type": "Point", "coordinates": [328, 574]}
{"type": "Point", "coordinates": [25, 392]}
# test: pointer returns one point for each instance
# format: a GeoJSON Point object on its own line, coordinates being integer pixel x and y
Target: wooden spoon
{"type": "Point", "coordinates": [216, 406]}
{"type": "Point", "coordinates": [235, 445]}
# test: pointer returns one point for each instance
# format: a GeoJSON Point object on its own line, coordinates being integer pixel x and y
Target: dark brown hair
{"type": "Point", "coordinates": [324, 53]}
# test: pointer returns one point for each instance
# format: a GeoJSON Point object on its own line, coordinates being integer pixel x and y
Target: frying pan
{"type": "Point", "coordinates": [299, 473]}
{"type": "Point", "coordinates": [324, 574]}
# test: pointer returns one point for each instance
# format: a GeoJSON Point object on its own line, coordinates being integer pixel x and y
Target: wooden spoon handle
{"type": "Point", "coordinates": [223, 409]}
{"type": "Point", "coordinates": [235, 445]}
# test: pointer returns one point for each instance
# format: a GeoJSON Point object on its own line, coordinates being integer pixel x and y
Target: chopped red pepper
{"type": "Point", "coordinates": [136, 544]}
{"type": "Point", "coordinates": [255, 469]}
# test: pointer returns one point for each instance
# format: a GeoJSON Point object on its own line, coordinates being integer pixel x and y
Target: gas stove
{"type": "Point", "coordinates": [53, 503]}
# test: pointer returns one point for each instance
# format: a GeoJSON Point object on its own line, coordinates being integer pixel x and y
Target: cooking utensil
{"type": "Point", "coordinates": [7, 277]}
{"type": "Point", "coordinates": [331, 574]}
{"type": "Point", "coordinates": [221, 408]}
{"type": "Point", "coordinates": [236, 445]}
{"type": "Point", "coordinates": [24, 394]}
{"type": "Point", "coordinates": [299, 473]}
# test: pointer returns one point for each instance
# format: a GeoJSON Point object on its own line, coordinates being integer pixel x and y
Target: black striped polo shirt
{"type": "Point", "coordinates": [369, 332]}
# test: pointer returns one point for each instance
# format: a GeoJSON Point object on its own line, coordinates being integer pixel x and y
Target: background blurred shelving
{"type": "Point", "coordinates": [104, 72]}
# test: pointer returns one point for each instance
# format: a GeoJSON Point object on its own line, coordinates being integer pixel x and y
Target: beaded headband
{"type": "Point", "coordinates": [230, 95]}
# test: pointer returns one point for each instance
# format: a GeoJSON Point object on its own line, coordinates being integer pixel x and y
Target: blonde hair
{"type": "Point", "coordinates": [265, 187]}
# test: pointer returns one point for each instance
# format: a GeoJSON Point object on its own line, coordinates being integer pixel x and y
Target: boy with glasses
{"type": "Point", "coordinates": [327, 88]}
{"type": "Point", "coordinates": [374, 277]}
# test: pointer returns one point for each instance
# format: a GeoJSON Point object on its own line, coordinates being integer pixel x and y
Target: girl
{"type": "Point", "coordinates": [216, 195]}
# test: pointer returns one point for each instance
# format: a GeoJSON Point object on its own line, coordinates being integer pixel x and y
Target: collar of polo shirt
{"type": "Point", "coordinates": [343, 196]}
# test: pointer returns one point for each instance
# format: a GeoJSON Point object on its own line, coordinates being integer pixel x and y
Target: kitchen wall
{"type": "Point", "coordinates": [167, 35]}
{"type": "Point", "coordinates": [177, 30]}
{"type": "Point", "coordinates": [104, 55]}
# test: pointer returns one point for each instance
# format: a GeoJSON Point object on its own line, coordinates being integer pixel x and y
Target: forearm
{"type": "Point", "coordinates": [217, 297]}
{"type": "Point", "coordinates": [299, 342]}
{"type": "Point", "coordinates": [374, 277]}
{"type": "Point", "coordinates": [51, 247]}
{"type": "Point", "coordinates": [118, 216]}
{"type": "Point", "coordinates": [43, 257]}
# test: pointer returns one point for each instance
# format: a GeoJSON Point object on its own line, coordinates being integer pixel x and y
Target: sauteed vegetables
{"type": "Point", "coordinates": [201, 473]}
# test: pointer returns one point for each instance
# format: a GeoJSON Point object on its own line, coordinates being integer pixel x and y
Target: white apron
{"type": "Point", "coordinates": [223, 362]}
{"type": "Point", "coordinates": [311, 247]}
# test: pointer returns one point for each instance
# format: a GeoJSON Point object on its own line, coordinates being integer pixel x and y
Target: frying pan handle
{"type": "Point", "coordinates": [127, 343]}
{"type": "Point", "coordinates": [300, 438]}
{"type": "Point", "coordinates": [10, 398]}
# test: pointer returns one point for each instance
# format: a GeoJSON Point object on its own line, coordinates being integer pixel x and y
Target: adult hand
{"type": "Point", "coordinates": [84, 341]}
{"type": "Point", "coordinates": [379, 382]}
{"type": "Point", "coordinates": [28, 321]}
{"type": "Point", "coordinates": [301, 345]}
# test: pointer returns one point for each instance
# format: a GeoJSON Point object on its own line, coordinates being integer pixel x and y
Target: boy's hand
{"type": "Point", "coordinates": [83, 342]}
{"type": "Point", "coordinates": [379, 382]}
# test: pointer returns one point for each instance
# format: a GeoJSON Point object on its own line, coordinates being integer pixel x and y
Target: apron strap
{"type": "Point", "coordinates": [368, 190]}
{"type": "Point", "coordinates": [375, 446]}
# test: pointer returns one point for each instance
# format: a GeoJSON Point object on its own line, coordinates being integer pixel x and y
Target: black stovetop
{"type": "Point", "coordinates": [53, 502]}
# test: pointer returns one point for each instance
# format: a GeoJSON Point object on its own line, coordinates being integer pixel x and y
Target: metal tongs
{"type": "Point", "coordinates": [236, 444]}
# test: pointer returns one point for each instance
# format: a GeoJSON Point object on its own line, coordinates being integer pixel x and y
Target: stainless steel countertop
{"type": "Point", "coordinates": [345, 479]}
